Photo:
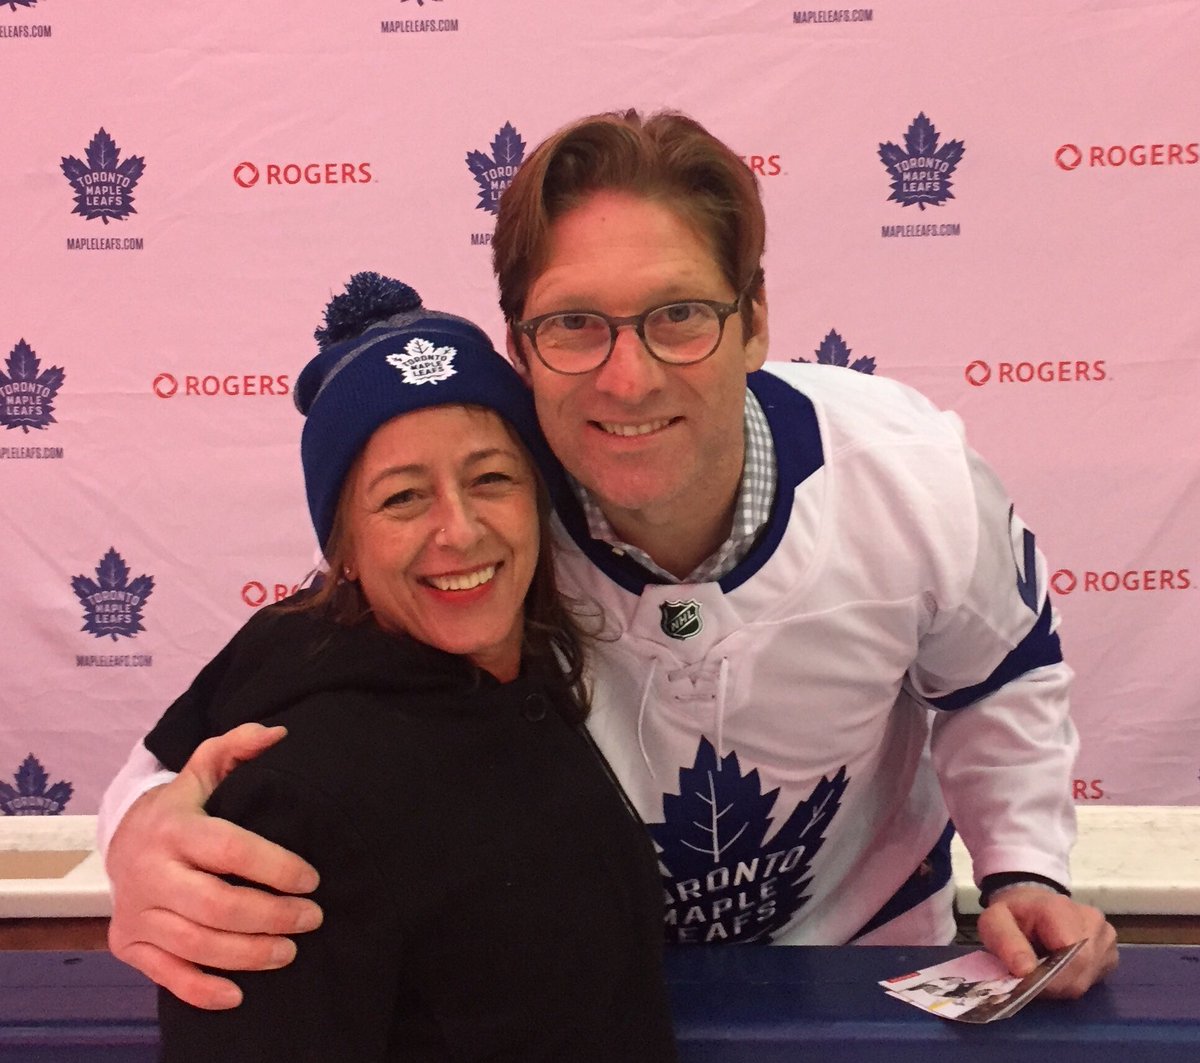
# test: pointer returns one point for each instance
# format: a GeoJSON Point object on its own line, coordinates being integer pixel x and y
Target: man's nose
{"type": "Point", "coordinates": [631, 373]}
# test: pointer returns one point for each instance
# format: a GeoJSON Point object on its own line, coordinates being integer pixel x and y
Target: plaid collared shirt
{"type": "Point", "coordinates": [753, 509]}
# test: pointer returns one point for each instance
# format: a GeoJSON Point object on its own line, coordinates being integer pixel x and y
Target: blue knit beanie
{"type": "Point", "coordinates": [382, 354]}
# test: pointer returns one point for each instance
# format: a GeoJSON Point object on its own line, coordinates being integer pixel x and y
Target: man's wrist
{"type": "Point", "coordinates": [995, 885]}
{"type": "Point", "coordinates": [140, 774]}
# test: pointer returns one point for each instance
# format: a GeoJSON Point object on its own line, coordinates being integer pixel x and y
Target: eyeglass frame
{"type": "Point", "coordinates": [724, 311]}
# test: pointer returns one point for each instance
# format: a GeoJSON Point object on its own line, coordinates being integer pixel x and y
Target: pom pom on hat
{"type": "Point", "coordinates": [382, 355]}
{"type": "Point", "coordinates": [368, 299]}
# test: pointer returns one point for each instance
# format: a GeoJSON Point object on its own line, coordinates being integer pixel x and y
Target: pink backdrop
{"type": "Point", "coordinates": [161, 281]}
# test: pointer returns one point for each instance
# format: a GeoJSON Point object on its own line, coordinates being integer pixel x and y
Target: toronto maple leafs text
{"type": "Point", "coordinates": [113, 660]}
{"type": "Point", "coordinates": [105, 243]}
{"type": "Point", "coordinates": [30, 452]}
{"type": "Point", "coordinates": [948, 229]}
{"type": "Point", "coordinates": [841, 14]}
{"type": "Point", "coordinates": [24, 31]}
{"type": "Point", "coordinates": [729, 902]}
{"type": "Point", "coordinates": [419, 25]}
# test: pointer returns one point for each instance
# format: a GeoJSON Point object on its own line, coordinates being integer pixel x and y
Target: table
{"type": "Point", "coordinates": [732, 1005]}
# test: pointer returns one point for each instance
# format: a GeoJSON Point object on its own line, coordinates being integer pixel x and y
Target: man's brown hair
{"type": "Point", "coordinates": [668, 158]}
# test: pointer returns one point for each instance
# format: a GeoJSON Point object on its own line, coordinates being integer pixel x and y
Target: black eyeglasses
{"type": "Point", "coordinates": [579, 341]}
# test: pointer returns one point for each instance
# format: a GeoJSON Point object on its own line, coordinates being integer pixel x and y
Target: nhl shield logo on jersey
{"type": "Point", "coordinates": [681, 620]}
{"type": "Point", "coordinates": [423, 363]}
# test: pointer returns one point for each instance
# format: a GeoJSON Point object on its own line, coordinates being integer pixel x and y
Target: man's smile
{"type": "Point", "coordinates": [614, 428]}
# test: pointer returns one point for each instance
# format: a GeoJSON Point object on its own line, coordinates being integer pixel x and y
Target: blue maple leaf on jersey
{"type": "Point", "coordinates": [112, 602]}
{"type": "Point", "coordinates": [29, 402]}
{"type": "Point", "coordinates": [833, 351]}
{"type": "Point", "coordinates": [724, 878]}
{"type": "Point", "coordinates": [921, 175]}
{"type": "Point", "coordinates": [13, 4]}
{"type": "Point", "coordinates": [104, 185]}
{"type": "Point", "coordinates": [33, 797]}
{"type": "Point", "coordinates": [494, 174]}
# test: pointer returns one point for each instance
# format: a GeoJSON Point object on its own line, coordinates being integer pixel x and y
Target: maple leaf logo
{"type": "Point", "coordinates": [33, 797]}
{"type": "Point", "coordinates": [833, 351]}
{"type": "Point", "coordinates": [724, 880]}
{"type": "Point", "coordinates": [112, 602]}
{"type": "Point", "coordinates": [103, 185]}
{"type": "Point", "coordinates": [26, 393]}
{"type": "Point", "coordinates": [495, 173]}
{"type": "Point", "coordinates": [921, 175]}
{"type": "Point", "coordinates": [424, 363]}
{"type": "Point", "coordinates": [14, 4]}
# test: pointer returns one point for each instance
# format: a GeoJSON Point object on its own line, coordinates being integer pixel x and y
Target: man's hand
{"type": "Point", "coordinates": [171, 911]}
{"type": "Point", "coordinates": [1024, 914]}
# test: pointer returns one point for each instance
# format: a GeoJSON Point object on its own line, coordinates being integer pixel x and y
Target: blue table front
{"type": "Point", "coordinates": [732, 1005]}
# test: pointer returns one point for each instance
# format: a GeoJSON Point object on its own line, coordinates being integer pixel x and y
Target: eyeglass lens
{"type": "Point", "coordinates": [679, 332]}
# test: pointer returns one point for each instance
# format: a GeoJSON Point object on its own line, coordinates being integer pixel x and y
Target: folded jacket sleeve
{"type": "Point", "coordinates": [336, 999]}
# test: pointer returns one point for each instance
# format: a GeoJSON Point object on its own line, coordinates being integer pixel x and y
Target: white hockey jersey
{"type": "Point", "coordinates": [797, 736]}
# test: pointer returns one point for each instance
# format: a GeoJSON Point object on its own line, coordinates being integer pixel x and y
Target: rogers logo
{"type": "Point", "coordinates": [247, 174]}
{"type": "Point", "coordinates": [234, 384]}
{"type": "Point", "coordinates": [1063, 371]}
{"type": "Point", "coordinates": [1064, 581]}
{"type": "Point", "coordinates": [1113, 156]}
{"type": "Point", "coordinates": [978, 373]}
{"type": "Point", "coordinates": [763, 165]}
{"type": "Point", "coordinates": [1068, 157]}
{"type": "Point", "coordinates": [255, 594]}
{"type": "Point", "coordinates": [1044, 372]}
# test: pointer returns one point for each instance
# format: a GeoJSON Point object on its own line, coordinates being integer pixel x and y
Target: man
{"type": "Point", "coordinates": [826, 629]}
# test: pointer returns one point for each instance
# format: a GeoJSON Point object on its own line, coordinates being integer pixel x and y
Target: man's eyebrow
{"type": "Point", "coordinates": [670, 292]}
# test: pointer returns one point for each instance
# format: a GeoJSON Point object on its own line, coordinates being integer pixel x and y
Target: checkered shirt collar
{"type": "Point", "coordinates": [753, 509]}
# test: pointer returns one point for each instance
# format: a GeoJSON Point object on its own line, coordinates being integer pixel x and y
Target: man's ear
{"type": "Point", "coordinates": [756, 343]}
{"type": "Point", "coordinates": [515, 354]}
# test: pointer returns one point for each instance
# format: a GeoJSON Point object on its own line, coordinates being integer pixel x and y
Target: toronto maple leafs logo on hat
{"type": "Point", "coordinates": [833, 351]}
{"type": "Point", "coordinates": [494, 173]}
{"type": "Point", "coordinates": [112, 602]}
{"type": "Point", "coordinates": [27, 391]}
{"type": "Point", "coordinates": [103, 184]}
{"type": "Point", "coordinates": [32, 797]}
{"type": "Point", "coordinates": [424, 363]}
{"type": "Point", "coordinates": [681, 620]}
{"type": "Point", "coordinates": [921, 175]}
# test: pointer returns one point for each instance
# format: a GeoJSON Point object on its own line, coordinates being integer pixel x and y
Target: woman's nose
{"type": "Point", "coordinates": [457, 523]}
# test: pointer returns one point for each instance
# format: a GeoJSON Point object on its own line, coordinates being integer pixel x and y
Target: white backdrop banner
{"type": "Point", "coordinates": [994, 202]}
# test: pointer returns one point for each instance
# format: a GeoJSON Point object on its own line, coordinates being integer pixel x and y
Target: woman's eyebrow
{"type": "Point", "coordinates": [488, 453]}
{"type": "Point", "coordinates": [396, 470]}
{"type": "Point", "coordinates": [417, 469]}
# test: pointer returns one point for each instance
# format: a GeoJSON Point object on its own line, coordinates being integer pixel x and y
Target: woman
{"type": "Point", "coordinates": [487, 892]}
